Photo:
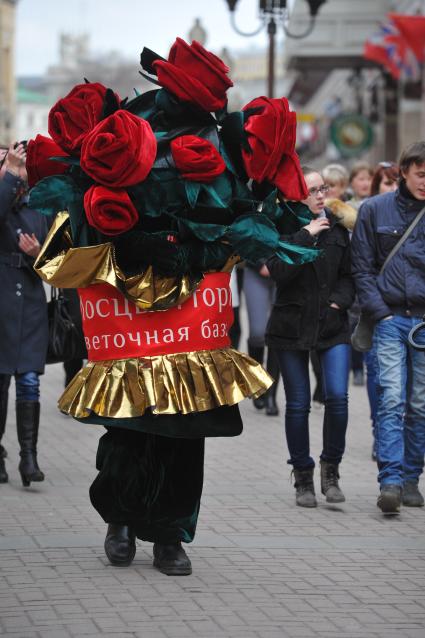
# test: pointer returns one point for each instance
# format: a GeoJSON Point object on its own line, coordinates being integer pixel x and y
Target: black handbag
{"type": "Point", "coordinates": [66, 340]}
{"type": "Point", "coordinates": [362, 337]}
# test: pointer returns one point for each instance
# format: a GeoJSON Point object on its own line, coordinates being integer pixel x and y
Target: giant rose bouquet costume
{"type": "Point", "coordinates": [154, 209]}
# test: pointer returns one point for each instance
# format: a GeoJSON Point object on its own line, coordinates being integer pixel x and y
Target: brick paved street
{"type": "Point", "coordinates": [262, 567]}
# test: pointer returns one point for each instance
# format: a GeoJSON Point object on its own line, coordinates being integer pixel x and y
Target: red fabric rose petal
{"type": "Point", "coordinates": [110, 211]}
{"type": "Point", "coordinates": [38, 164]}
{"type": "Point", "coordinates": [119, 151]}
{"type": "Point", "coordinates": [197, 159]}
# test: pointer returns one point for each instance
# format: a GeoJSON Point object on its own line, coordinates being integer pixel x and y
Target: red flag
{"type": "Point", "coordinates": [412, 28]}
{"type": "Point", "coordinates": [388, 47]}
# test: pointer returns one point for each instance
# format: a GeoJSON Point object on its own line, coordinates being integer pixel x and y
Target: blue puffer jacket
{"type": "Point", "coordinates": [381, 222]}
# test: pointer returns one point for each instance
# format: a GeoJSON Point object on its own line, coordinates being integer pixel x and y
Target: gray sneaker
{"type": "Point", "coordinates": [411, 496]}
{"type": "Point", "coordinates": [389, 500]}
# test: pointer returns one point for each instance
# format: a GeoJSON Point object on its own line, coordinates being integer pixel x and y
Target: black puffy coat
{"type": "Point", "coordinates": [381, 222]}
{"type": "Point", "coordinates": [23, 307]}
{"type": "Point", "coordinates": [301, 318]}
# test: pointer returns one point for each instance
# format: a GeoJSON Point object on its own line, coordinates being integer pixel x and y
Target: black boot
{"type": "Point", "coordinates": [305, 495]}
{"type": "Point", "coordinates": [273, 370]}
{"type": "Point", "coordinates": [3, 454]}
{"type": "Point", "coordinates": [257, 353]}
{"type": "Point", "coordinates": [171, 560]}
{"type": "Point", "coordinates": [120, 545]}
{"type": "Point", "coordinates": [27, 421]}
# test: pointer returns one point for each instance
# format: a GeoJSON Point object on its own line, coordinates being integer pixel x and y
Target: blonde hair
{"type": "Point", "coordinates": [335, 174]}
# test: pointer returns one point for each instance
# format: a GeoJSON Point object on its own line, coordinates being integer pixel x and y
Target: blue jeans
{"type": "Point", "coordinates": [335, 366]}
{"type": "Point", "coordinates": [400, 419]}
{"type": "Point", "coordinates": [371, 368]}
{"type": "Point", "coordinates": [27, 385]}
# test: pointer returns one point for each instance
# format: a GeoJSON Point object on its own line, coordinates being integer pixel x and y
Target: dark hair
{"type": "Point", "coordinates": [388, 170]}
{"type": "Point", "coordinates": [413, 154]}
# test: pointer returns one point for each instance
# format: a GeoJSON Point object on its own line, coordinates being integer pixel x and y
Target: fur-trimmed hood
{"type": "Point", "coordinates": [345, 213]}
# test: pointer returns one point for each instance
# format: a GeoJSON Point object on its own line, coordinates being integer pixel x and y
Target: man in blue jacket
{"type": "Point", "coordinates": [395, 300]}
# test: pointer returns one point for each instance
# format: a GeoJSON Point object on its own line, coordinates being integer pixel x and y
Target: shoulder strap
{"type": "Point", "coordinates": [403, 238]}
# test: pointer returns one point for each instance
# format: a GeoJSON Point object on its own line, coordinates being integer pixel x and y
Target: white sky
{"type": "Point", "coordinates": [126, 26]}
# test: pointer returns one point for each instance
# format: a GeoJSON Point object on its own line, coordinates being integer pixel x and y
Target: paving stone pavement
{"type": "Point", "coordinates": [263, 568]}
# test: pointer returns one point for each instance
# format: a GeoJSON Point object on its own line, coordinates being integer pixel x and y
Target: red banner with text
{"type": "Point", "coordinates": [115, 328]}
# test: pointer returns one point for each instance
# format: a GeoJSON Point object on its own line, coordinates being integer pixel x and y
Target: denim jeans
{"type": "Point", "coordinates": [400, 419]}
{"type": "Point", "coordinates": [27, 385]}
{"type": "Point", "coordinates": [371, 369]}
{"type": "Point", "coordinates": [335, 366]}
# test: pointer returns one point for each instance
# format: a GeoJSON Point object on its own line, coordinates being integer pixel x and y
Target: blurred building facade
{"type": "Point", "coordinates": [330, 77]}
{"type": "Point", "coordinates": [7, 71]}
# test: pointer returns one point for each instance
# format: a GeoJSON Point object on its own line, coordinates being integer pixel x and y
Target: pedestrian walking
{"type": "Point", "coordinates": [384, 180]}
{"type": "Point", "coordinates": [310, 313]}
{"type": "Point", "coordinates": [394, 298]}
{"type": "Point", "coordinates": [23, 312]}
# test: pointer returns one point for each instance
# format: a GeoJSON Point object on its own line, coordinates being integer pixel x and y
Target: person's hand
{"type": "Point", "coordinates": [335, 305]}
{"type": "Point", "coordinates": [15, 161]}
{"type": "Point", "coordinates": [316, 226]}
{"type": "Point", "coordinates": [264, 271]}
{"type": "Point", "coordinates": [29, 244]}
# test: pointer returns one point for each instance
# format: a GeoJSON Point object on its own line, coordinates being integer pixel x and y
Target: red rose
{"type": "Point", "coordinates": [271, 136]}
{"type": "Point", "coordinates": [110, 211]}
{"type": "Point", "coordinates": [194, 75]}
{"type": "Point", "coordinates": [197, 159]}
{"type": "Point", "coordinates": [119, 151]}
{"type": "Point", "coordinates": [73, 116]}
{"type": "Point", "coordinates": [38, 164]}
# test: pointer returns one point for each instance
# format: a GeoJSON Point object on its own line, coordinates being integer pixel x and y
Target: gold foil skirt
{"type": "Point", "coordinates": [169, 384]}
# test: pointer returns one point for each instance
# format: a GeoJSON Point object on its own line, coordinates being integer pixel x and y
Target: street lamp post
{"type": "Point", "coordinates": [272, 12]}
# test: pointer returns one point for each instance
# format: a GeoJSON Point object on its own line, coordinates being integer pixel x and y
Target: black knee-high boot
{"type": "Point", "coordinates": [273, 370]}
{"type": "Point", "coordinates": [27, 421]}
{"type": "Point", "coordinates": [3, 414]}
{"type": "Point", "coordinates": [257, 352]}
{"type": "Point", "coordinates": [4, 394]}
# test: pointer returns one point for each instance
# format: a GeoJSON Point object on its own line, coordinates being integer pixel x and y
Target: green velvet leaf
{"type": "Point", "coordinates": [192, 192]}
{"type": "Point", "coordinates": [55, 193]}
{"type": "Point", "coordinates": [270, 206]}
{"type": "Point", "coordinates": [296, 255]}
{"type": "Point", "coordinates": [253, 237]}
{"type": "Point", "coordinates": [204, 232]}
{"type": "Point", "coordinates": [75, 161]}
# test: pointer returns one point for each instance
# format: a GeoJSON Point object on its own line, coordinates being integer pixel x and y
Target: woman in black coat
{"type": "Point", "coordinates": [310, 313]}
{"type": "Point", "coordinates": [23, 312]}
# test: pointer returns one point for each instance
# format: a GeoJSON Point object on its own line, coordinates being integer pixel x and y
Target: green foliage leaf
{"type": "Point", "coordinates": [55, 193]}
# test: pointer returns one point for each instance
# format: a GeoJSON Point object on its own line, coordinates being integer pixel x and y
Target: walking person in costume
{"type": "Point", "coordinates": [156, 213]}
{"type": "Point", "coordinates": [23, 312]}
{"type": "Point", "coordinates": [310, 313]}
{"type": "Point", "coordinates": [395, 300]}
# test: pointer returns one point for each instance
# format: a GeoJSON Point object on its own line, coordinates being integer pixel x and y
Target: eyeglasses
{"type": "Point", "coordinates": [319, 189]}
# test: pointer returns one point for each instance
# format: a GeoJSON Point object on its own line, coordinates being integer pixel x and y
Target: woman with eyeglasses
{"type": "Point", "coordinates": [310, 313]}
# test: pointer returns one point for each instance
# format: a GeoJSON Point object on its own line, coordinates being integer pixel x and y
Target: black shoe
{"type": "Point", "coordinates": [27, 423]}
{"type": "Point", "coordinates": [171, 560]}
{"type": "Point", "coordinates": [358, 377]}
{"type": "Point", "coordinates": [389, 500]}
{"type": "Point", "coordinates": [120, 545]}
{"type": "Point", "coordinates": [271, 406]}
{"type": "Point", "coordinates": [411, 496]}
{"type": "Point", "coordinates": [259, 403]}
{"type": "Point", "coordinates": [3, 474]}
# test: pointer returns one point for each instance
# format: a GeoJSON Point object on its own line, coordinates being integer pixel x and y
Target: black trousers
{"type": "Point", "coordinates": [152, 483]}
